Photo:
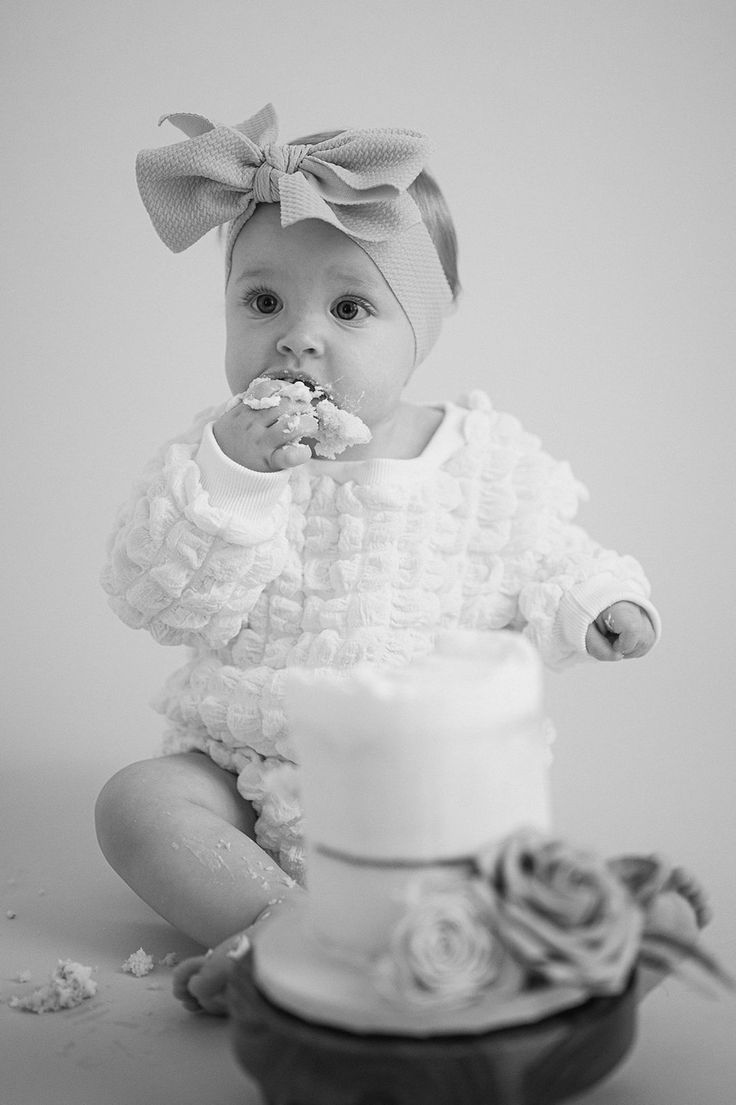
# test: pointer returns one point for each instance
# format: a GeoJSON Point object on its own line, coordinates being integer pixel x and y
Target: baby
{"type": "Point", "coordinates": [271, 535]}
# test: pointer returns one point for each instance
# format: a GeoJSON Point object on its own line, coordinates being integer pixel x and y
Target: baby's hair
{"type": "Point", "coordinates": [427, 195]}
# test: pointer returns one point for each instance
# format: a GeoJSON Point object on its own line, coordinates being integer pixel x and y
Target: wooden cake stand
{"type": "Point", "coordinates": [297, 1063]}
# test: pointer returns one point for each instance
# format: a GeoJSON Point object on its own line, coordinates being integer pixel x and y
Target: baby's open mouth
{"type": "Point", "coordinates": [294, 376]}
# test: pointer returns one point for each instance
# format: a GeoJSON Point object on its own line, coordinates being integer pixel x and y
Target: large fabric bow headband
{"type": "Point", "coordinates": [356, 182]}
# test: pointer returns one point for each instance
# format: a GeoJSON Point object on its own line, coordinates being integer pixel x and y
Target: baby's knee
{"type": "Point", "coordinates": [121, 810]}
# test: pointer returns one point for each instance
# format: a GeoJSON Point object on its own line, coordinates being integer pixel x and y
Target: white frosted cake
{"type": "Point", "coordinates": [407, 774]}
{"type": "Point", "coordinates": [449, 948]}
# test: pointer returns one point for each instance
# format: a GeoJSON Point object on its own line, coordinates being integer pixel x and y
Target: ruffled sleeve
{"type": "Point", "coordinates": [199, 539]}
{"type": "Point", "coordinates": [554, 577]}
{"type": "Point", "coordinates": [571, 578]}
{"type": "Point", "coordinates": [574, 580]}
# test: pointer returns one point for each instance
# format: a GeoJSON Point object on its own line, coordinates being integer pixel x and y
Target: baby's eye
{"type": "Point", "coordinates": [265, 303]}
{"type": "Point", "coordinates": [349, 309]}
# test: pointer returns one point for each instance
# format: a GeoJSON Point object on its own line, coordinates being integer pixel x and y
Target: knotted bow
{"type": "Point", "coordinates": [356, 181]}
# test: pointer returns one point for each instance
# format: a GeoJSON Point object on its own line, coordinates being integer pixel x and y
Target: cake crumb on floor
{"type": "Point", "coordinates": [69, 985]}
{"type": "Point", "coordinates": [140, 963]}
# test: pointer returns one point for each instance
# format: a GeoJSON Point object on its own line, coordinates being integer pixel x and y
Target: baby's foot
{"type": "Point", "coordinates": [200, 982]}
{"type": "Point", "coordinates": [652, 880]}
{"type": "Point", "coordinates": [672, 923]}
{"type": "Point", "coordinates": [679, 910]}
{"type": "Point", "coordinates": [685, 884]}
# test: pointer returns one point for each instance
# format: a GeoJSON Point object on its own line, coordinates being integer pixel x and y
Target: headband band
{"type": "Point", "coordinates": [356, 182]}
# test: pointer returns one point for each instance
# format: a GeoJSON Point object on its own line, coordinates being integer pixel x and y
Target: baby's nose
{"type": "Point", "coordinates": [301, 338]}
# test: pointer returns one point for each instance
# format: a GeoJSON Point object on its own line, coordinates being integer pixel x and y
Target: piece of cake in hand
{"type": "Point", "coordinates": [327, 428]}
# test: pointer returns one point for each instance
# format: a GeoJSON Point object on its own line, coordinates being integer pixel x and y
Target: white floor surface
{"type": "Point", "coordinates": [132, 1043]}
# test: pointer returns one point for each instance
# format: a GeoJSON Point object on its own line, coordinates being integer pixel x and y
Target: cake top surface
{"type": "Point", "coordinates": [498, 671]}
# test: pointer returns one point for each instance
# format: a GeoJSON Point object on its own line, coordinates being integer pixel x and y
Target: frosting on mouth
{"type": "Point", "coordinates": [308, 409]}
{"type": "Point", "coordinates": [294, 376]}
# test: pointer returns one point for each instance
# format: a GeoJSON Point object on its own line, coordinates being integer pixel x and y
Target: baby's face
{"type": "Point", "coordinates": [305, 301]}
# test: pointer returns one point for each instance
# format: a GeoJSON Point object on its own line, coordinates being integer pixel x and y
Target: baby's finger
{"type": "Point", "coordinates": [290, 455]}
{"type": "Point", "coordinates": [627, 638]}
{"type": "Point", "coordinates": [636, 635]}
{"type": "Point", "coordinates": [598, 645]}
{"type": "Point", "coordinates": [641, 648]}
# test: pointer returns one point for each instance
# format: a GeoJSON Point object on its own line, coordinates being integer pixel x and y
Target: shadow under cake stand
{"type": "Point", "coordinates": [299, 1063]}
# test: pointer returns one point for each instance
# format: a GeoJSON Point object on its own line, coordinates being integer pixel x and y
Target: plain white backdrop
{"type": "Point", "coordinates": [586, 148]}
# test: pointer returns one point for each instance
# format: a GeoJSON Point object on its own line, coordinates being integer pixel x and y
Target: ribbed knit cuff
{"type": "Point", "coordinates": [233, 489]}
{"type": "Point", "coordinates": [582, 604]}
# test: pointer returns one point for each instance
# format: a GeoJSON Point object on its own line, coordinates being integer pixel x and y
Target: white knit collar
{"type": "Point", "coordinates": [445, 440]}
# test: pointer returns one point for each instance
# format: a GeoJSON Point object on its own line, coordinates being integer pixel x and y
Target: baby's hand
{"type": "Point", "coordinates": [622, 631]}
{"type": "Point", "coordinates": [258, 439]}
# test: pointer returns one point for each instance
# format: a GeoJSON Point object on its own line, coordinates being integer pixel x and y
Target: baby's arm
{"type": "Point", "coordinates": [586, 601]}
{"type": "Point", "coordinates": [199, 539]}
{"type": "Point", "coordinates": [575, 598]}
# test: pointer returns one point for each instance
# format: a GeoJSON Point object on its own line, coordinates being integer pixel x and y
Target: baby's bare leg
{"type": "Point", "coordinates": [179, 833]}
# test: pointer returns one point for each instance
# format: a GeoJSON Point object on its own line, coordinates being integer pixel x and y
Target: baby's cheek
{"type": "Point", "coordinates": [372, 396]}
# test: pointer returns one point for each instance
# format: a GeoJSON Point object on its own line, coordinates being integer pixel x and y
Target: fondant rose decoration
{"type": "Point", "coordinates": [564, 914]}
{"type": "Point", "coordinates": [445, 949]}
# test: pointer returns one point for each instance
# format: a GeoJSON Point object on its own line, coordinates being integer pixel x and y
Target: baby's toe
{"type": "Point", "coordinates": [183, 974]}
{"type": "Point", "coordinates": [208, 990]}
{"type": "Point", "coordinates": [208, 984]}
{"type": "Point", "coordinates": [684, 883]}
